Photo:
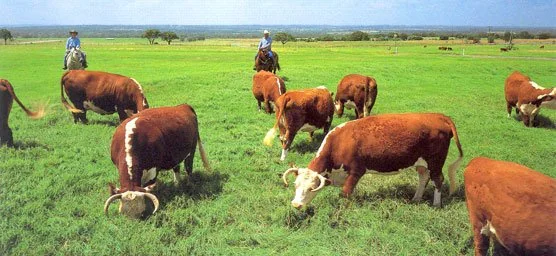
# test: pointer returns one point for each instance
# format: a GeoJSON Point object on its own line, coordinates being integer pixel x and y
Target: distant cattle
{"type": "Point", "coordinates": [103, 93]}
{"type": "Point", "coordinates": [356, 91]}
{"type": "Point", "coordinates": [443, 48]}
{"type": "Point", "coordinates": [152, 140]}
{"type": "Point", "coordinates": [7, 95]}
{"type": "Point", "coordinates": [527, 97]}
{"type": "Point", "coordinates": [449, 48]}
{"type": "Point", "coordinates": [503, 49]}
{"type": "Point", "coordinates": [267, 87]}
{"type": "Point", "coordinates": [302, 110]}
{"type": "Point", "coordinates": [382, 144]}
{"type": "Point", "coordinates": [512, 204]}
{"type": "Point", "coordinates": [541, 47]}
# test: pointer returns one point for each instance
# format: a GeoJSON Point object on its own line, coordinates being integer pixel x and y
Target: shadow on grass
{"type": "Point", "coordinates": [539, 122]}
{"type": "Point", "coordinates": [24, 145]}
{"type": "Point", "coordinates": [305, 146]}
{"type": "Point", "coordinates": [296, 219]}
{"type": "Point", "coordinates": [113, 123]}
{"type": "Point", "coordinates": [405, 193]}
{"type": "Point", "coordinates": [199, 185]}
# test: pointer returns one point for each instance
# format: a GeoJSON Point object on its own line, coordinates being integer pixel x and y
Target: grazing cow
{"type": "Point", "coordinates": [101, 92]}
{"type": "Point", "coordinates": [442, 48]}
{"type": "Point", "coordinates": [503, 49]}
{"type": "Point", "coordinates": [302, 110]}
{"type": "Point", "coordinates": [541, 47]}
{"type": "Point", "coordinates": [527, 97]}
{"type": "Point", "coordinates": [449, 48]}
{"type": "Point", "coordinates": [382, 144]}
{"type": "Point", "coordinates": [152, 140]}
{"type": "Point", "coordinates": [513, 204]}
{"type": "Point", "coordinates": [267, 87]}
{"type": "Point", "coordinates": [356, 91]}
{"type": "Point", "coordinates": [7, 95]}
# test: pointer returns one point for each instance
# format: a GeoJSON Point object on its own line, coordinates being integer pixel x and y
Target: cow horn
{"type": "Point", "coordinates": [109, 201]}
{"type": "Point", "coordinates": [322, 183]}
{"type": "Point", "coordinates": [294, 170]}
{"type": "Point", "coordinates": [154, 199]}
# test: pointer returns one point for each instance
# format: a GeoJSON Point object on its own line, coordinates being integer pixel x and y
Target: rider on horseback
{"type": "Point", "coordinates": [266, 44]}
{"type": "Point", "coordinates": [74, 42]}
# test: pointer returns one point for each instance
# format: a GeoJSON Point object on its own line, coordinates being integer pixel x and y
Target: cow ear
{"type": "Point", "coordinates": [113, 189]}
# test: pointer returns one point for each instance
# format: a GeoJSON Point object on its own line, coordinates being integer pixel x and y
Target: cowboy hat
{"type": "Point", "coordinates": [73, 31]}
{"type": "Point", "coordinates": [266, 32]}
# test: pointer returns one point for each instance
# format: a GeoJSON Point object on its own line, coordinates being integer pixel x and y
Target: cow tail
{"type": "Point", "coordinates": [203, 154]}
{"type": "Point", "coordinates": [367, 96]}
{"type": "Point", "coordinates": [277, 63]}
{"type": "Point", "coordinates": [33, 115]}
{"type": "Point", "coordinates": [64, 101]}
{"type": "Point", "coordinates": [272, 132]}
{"type": "Point", "coordinates": [456, 164]}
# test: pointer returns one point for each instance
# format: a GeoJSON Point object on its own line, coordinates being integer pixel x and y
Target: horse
{"type": "Point", "coordinates": [263, 62]}
{"type": "Point", "coordinates": [74, 59]}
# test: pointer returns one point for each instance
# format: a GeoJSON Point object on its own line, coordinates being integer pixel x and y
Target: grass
{"type": "Point", "coordinates": [54, 182]}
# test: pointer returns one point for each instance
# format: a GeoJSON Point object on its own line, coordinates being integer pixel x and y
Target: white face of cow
{"type": "Point", "coordinates": [132, 204]}
{"type": "Point", "coordinates": [307, 184]}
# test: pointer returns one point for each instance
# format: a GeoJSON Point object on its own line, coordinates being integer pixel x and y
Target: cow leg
{"type": "Point", "coordinates": [424, 177]}
{"type": "Point", "coordinates": [437, 178]}
{"type": "Point", "coordinates": [340, 108]}
{"type": "Point", "coordinates": [6, 137]}
{"type": "Point", "coordinates": [122, 114]}
{"type": "Point", "coordinates": [526, 119]}
{"type": "Point", "coordinates": [350, 183]}
{"type": "Point", "coordinates": [286, 143]}
{"type": "Point", "coordinates": [509, 109]}
{"type": "Point", "coordinates": [267, 106]}
{"type": "Point", "coordinates": [176, 170]}
{"type": "Point", "coordinates": [188, 163]}
{"type": "Point", "coordinates": [259, 105]}
{"type": "Point", "coordinates": [481, 241]}
{"type": "Point", "coordinates": [326, 127]}
{"type": "Point", "coordinates": [360, 111]}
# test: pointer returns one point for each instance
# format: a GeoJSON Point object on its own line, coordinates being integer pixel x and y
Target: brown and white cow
{"type": "Point", "coordinates": [356, 91]}
{"type": "Point", "coordinates": [513, 204]}
{"type": "Point", "coordinates": [382, 144]}
{"type": "Point", "coordinates": [7, 95]}
{"type": "Point", "coordinates": [103, 93]}
{"type": "Point", "coordinates": [301, 110]}
{"type": "Point", "coordinates": [267, 87]}
{"type": "Point", "coordinates": [152, 140]}
{"type": "Point", "coordinates": [527, 97]}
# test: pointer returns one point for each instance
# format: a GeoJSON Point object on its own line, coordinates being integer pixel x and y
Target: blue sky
{"type": "Point", "coordinates": [281, 12]}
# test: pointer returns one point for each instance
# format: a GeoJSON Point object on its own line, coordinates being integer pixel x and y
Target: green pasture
{"type": "Point", "coordinates": [53, 184]}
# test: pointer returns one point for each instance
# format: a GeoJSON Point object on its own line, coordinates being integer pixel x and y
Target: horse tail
{"type": "Point", "coordinates": [33, 115]}
{"type": "Point", "coordinates": [277, 63]}
{"type": "Point", "coordinates": [64, 101]}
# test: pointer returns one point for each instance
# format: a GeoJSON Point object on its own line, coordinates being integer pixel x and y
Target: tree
{"type": "Point", "coordinates": [283, 37]}
{"type": "Point", "coordinates": [168, 36]}
{"type": "Point", "coordinates": [6, 34]}
{"type": "Point", "coordinates": [507, 36]}
{"type": "Point", "coordinates": [524, 35]}
{"type": "Point", "coordinates": [444, 37]}
{"type": "Point", "coordinates": [358, 36]}
{"type": "Point", "coordinates": [151, 35]}
{"type": "Point", "coordinates": [544, 36]}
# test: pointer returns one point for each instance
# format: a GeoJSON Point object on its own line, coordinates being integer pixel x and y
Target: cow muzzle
{"type": "Point", "coordinates": [132, 203]}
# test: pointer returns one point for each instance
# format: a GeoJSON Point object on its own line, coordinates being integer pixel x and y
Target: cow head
{"type": "Point", "coordinates": [307, 184]}
{"type": "Point", "coordinates": [132, 203]}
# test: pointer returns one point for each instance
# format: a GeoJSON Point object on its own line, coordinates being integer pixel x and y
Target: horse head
{"type": "Point", "coordinates": [74, 58]}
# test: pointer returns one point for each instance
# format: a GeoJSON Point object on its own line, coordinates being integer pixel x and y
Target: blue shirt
{"type": "Point", "coordinates": [73, 43]}
{"type": "Point", "coordinates": [265, 43]}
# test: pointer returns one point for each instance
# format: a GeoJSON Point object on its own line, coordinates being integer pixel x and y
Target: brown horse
{"type": "Point", "coordinates": [263, 62]}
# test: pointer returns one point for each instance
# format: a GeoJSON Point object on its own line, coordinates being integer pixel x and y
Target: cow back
{"type": "Point", "coordinates": [313, 106]}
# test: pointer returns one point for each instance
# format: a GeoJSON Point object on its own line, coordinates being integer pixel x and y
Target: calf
{"type": "Point", "coordinates": [513, 204]}
{"type": "Point", "coordinates": [302, 110]}
{"type": "Point", "coordinates": [103, 93]}
{"type": "Point", "coordinates": [152, 140]}
{"type": "Point", "coordinates": [7, 95]}
{"type": "Point", "coordinates": [527, 97]}
{"type": "Point", "coordinates": [382, 144]}
{"type": "Point", "coordinates": [356, 91]}
{"type": "Point", "coordinates": [267, 87]}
